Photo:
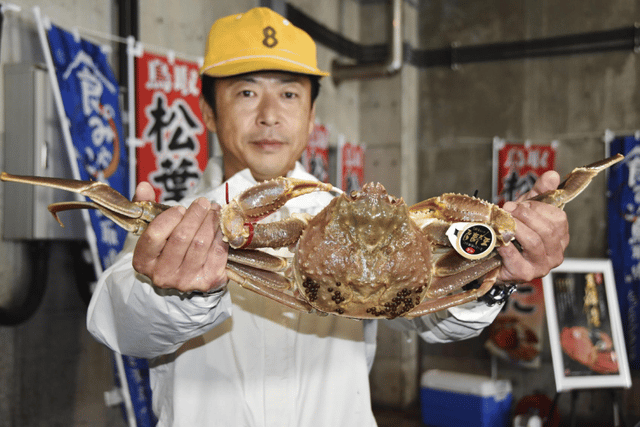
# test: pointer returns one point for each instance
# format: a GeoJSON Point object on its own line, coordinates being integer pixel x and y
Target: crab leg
{"type": "Point", "coordinates": [441, 291]}
{"type": "Point", "coordinates": [266, 283]}
{"type": "Point", "coordinates": [452, 272]}
{"type": "Point", "coordinates": [576, 182]}
{"type": "Point", "coordinates": [430, 306]}
{"type": "Point", "coordinates": [435, 215]}
{"type": "Point", "coordinates": [132, 216]}
{"type": "Point", "coordinates": [258, 259]}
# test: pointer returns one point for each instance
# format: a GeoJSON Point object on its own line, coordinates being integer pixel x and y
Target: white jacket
{"type": "Point", "coordinates": [237, 359]}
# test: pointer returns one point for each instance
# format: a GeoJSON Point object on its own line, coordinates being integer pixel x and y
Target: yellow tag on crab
{"type": "Point", "coordinates": [472, 240]}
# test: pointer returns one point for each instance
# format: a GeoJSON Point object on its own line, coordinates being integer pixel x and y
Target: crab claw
{"type": "Point", "coordinates": [260, 201]}
{"type": "Point", "coordinates": [132, 216]}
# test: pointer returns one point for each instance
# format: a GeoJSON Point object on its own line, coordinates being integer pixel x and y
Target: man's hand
{"type": "Point", "coordinates": [182, 248]}
{"type": "Point", "coordinates": [541, 229]}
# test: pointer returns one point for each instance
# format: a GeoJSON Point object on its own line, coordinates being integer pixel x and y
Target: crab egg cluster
{"type": "Point", "coordinates": [401, 303]}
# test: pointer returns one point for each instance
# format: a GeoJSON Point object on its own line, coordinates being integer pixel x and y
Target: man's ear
{"type": "Point", "coordinates": [208, 117]}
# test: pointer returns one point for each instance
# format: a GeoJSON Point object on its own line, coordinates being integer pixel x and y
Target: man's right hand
{"type": "Point", "coordinates": [182, 248]}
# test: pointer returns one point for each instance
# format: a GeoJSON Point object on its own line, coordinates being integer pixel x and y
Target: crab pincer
{"type": "Point", "coordinates": [239, 217]}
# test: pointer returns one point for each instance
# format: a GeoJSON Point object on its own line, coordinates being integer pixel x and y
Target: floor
{"type": "Point", "coordinates": [389, 417]}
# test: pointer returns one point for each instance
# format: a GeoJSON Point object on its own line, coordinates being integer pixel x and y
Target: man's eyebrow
{"type": "Point", "coordinates": [283, 79]}
{"type": "Point", "coordinates": [290, 79]}
{"type": "Point", "coordinates": [247, 79]}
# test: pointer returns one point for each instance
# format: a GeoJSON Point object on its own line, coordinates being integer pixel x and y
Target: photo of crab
{"type": "Point", "coordinates": [584, 322]}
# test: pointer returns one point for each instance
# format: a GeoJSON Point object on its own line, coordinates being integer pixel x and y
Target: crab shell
{"type": "Point", "coordinates": [363, 256]}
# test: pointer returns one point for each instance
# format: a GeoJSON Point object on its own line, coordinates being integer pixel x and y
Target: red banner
{"type": "Point", "coordinates": [516, 333]}
{"type": "Point", "coordinates": [173, 149]}
{"type": "Point", "coordinates": [315, 157]}
{"type": "Point", "coordinates": [519, 166]}
{"type": "Point", "coordinates": [350, 166]}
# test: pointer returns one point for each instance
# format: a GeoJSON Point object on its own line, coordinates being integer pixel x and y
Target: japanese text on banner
{"type": "Point", "coordinates": [351, 166]}
{"type": "Point", "coordinates": [519, 166]}
{"type": "Point", "coordinates": [174, 148]}
{"type": "Point", "coordinates": [315, 157]}
{"type": "Point", "coordinates": [89, 94]}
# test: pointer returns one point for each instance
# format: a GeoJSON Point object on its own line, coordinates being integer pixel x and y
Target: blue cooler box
{"type": "Point", "coordinates": [452, 399]}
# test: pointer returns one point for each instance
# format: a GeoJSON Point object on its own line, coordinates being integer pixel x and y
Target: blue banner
{"type": "Point", "coordinates": [1, 21]}
{"type": "Point", "coordinates": [137, 375]}
{"type": "Point", "coordinates": [89, 93]}
{"type": "Point", "coordinates": [624, 239]}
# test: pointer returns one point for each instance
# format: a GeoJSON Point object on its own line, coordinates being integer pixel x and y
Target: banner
{"type": "Point", "coordinates": [623, 211]}
{"type": "Point", "coordinates": [173, 150]}
{"type": "Point", "coordinates": [516, 333]}
{"type": "Point", "coordinates": [89, 93]}
{"type": "Point", "coordinates": [350, 166]}
{"type": "Point", "coordinates": [519, 166]}
{"type": "Point", "coordinates": [315, 157]}
{"type": "Point", "coordinates": [1, 21]}
{"type": "Point", "coordinates": [136, 375]}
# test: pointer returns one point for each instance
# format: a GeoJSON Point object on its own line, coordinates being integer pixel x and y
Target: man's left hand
{"type": "Point", "coordinates": [542, 231]}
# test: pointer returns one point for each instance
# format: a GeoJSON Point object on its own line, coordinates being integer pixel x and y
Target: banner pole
{"type": "Point", "coordinates": [124, 389]}
{"type": "Point", "coordinates": [131, 99]}
{"type": "Point", "coordinates": [497, 145]}
{"type": "Point", "coordinates": [339, 177]}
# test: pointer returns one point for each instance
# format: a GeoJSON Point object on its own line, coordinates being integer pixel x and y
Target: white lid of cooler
{"type": "Point", "coordinates": [466, 383]}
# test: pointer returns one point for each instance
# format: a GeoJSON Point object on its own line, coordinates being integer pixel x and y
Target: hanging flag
{"type": "Point", "coordinates": [89, 93]}
{"type": "Point", "coordinates": [315, 157]}
{"type": "Point", "coordinates": [516, 334]}
{"type": "Point", "coordinates": [1, 21]}
{"type": "Point", "coordinates": [350, 165]}
{"type": "Point", "coordinates": [173, 149]}
{"type": "Point", "coordinates": [623, 211]}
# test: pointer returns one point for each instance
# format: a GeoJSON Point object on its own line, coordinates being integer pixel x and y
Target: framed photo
{"type": "Point", "coordinates": [585, 332]}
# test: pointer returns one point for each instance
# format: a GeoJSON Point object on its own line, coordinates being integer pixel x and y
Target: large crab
{"type": "Point", "coordinates": [366, 255]}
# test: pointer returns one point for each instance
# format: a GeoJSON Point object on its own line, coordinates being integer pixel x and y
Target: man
{"type": "Point", "coordinates": [220, 355]}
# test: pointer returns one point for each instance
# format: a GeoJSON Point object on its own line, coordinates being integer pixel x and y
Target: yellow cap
{"type": "Point", "coordinates": [258, 40]}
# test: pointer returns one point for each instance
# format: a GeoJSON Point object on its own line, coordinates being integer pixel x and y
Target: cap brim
{"type": "Point", "coordinates": [256, 63]}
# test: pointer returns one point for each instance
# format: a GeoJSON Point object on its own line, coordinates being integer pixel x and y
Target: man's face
{"type": "Point", "coordinates": [263, 121]}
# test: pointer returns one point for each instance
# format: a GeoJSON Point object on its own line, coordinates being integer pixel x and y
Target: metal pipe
{"type": "Point", "coordinates": [626, 38]}
{"type": "Point", "coordinates": [340, 72]}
